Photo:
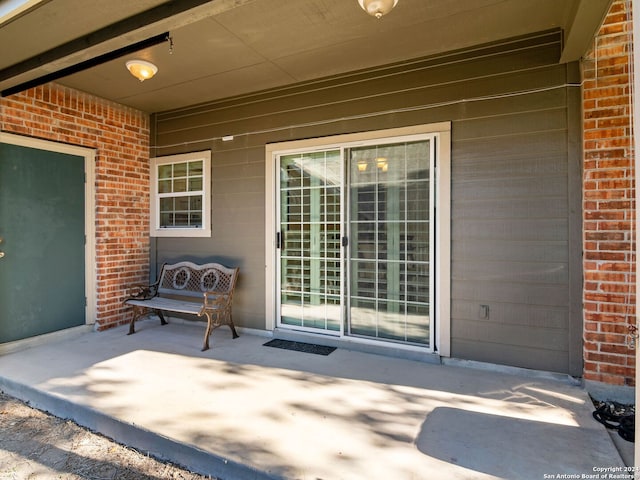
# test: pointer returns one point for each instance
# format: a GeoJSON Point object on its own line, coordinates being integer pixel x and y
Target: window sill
{"type": "Point", "coordinates": [181, 233]}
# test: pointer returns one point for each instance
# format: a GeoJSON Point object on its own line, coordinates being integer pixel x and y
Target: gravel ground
{"type": "Point", "coordinates": [36, 445]}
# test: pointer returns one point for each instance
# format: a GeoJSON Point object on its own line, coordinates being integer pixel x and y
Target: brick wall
{"type": "Point", "coordinates": [608, 203]}
{"type": "Point", "coordinates": [120, 136]}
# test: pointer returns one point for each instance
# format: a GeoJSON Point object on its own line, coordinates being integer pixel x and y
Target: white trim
{"type": "Point", "coordinates": [442, 132]}
{"type": "Point", "coordinates": [270, 254]}
{"type": "Point", "coordinates": [154, 199]}
{"type": "Point", "coordinates": [635, 15]}
{"type": "Point", "coordinates": [89, 210]}
{"type": "Point", "coordinates": [354, 139]}
{"type": "Point", "coordinates": [443, 243]}
{"type": "Point", "coordinates": [345, 265]}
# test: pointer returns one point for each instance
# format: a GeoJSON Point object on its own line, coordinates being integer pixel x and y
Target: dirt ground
{"type": "Point", "coordinates": [35, 445]}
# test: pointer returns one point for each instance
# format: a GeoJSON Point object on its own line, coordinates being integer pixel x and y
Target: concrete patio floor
{"type": "Point", "coordinates": [245, 411]}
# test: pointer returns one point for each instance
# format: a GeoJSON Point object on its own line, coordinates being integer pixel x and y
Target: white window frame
{"type": "Point", "coordinates": [205, 229]}
{"type": "Point", "coordinates": [442, 339]}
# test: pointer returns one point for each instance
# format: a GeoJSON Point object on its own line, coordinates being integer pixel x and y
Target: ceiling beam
{"type": "Point", "coordinates": [586, 22]}
{"type": "Point", "coordinates": [110, 32]}
{"type": "Point", "coordinates": [107, 57]}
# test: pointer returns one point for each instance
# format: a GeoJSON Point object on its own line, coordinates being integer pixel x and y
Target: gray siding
{"type": "Point", "coordinates": [515, 177]}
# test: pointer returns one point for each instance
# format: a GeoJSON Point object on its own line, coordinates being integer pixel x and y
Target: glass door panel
{"type": "Point", "coordinates": [388, 266]}
{"type": "Point", "coordinates": [310, 231]}
{"type": "Point", "coordinates": [391, 236]}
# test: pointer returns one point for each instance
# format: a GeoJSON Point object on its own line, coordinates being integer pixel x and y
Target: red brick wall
{"type": "Point", "coordinates": [608, 204]}
{"type": "Point", "coordinates": [120, 136]}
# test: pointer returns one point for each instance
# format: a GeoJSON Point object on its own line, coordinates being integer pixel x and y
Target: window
{"type": "Point", "coordinates": [181, 195]}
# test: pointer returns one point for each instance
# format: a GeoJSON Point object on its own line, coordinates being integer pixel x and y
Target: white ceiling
{"type": "Point", "coordinates": [225, 48]}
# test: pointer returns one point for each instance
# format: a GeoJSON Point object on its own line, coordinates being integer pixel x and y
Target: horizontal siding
{"type": "Point", "coordinates": [519, 314]}
{"type": "Point", "coordinates": [464, 67]}
{"type": "Point", "coordinates": [495, 70]}
{"type": "Point", "coordinates": [549, 207]}
{"type": "Point", "coordinates": [510, 229]}
{"type": "Point", "coordinates": [508, 251]}
{"type": "Point", "coordinates": [514, 355]}
{"type": "Point", "coordinates": [511, 240]}
{"type": "Point", "coordinates": [510, 225]}
{"type": "Point", "coordinates": [512, 335]}
{"type": "Point", "coordinates": [520, 272]}
{"type": "Point", "coordinates": [496, 292]}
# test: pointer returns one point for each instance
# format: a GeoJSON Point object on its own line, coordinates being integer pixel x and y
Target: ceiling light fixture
{"type": "Point", "coordinates": [377, 8]}
{"type": "Point", "coordinates": [27, 66]}
{"type": "Point", "coordinates": [141, 69]}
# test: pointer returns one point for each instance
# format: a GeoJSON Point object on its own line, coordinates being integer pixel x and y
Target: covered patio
{"type": "Point", "coordinates": [244, 410]}
{"type": "Point", "coordinates": [540, 181]}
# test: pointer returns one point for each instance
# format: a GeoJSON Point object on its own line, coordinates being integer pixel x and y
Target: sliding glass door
{"type": "Point", "coordinates": [310, 240]}
{"type": "Point", "coordinates": [356, 241]}
{"type": "Point", "coordinates": [390, 231]}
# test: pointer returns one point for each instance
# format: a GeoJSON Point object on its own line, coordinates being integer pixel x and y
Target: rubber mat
{"type": "Point", "coordinates": [300, 347]}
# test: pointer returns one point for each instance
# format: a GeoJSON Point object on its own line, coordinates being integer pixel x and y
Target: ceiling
{"type": "Point", "coordinates": [225, 48]}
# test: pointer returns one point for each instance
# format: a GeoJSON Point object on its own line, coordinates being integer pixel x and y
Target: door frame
{"type": "Point", "coordinates": [442, 321]}
{"type": "Point", "coordinates": [89, 156]}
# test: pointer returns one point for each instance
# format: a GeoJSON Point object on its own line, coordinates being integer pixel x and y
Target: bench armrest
{"type": "Point", "coordinates": [142, 292]}
{"type": "Point", "coordinates": [215, 300]}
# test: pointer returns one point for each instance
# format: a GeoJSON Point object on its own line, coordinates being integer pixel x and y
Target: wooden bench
{"type": "Point", "coordinates": [188, 288]}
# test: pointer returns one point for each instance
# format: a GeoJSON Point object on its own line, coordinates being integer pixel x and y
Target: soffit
{"type": "Point", "coordinates": [226, 48]}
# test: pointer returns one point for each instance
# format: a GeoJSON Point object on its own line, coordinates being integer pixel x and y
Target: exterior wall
{"type": "Point", "coordinates": [120, 136]}
{"type": "Point", "coordinates": [609, 211]}
{"type": "Point", "coordinates": [516, 183]}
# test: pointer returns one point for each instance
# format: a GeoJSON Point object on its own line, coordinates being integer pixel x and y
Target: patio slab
{"type": "Point", "coordinates": [243, 410]}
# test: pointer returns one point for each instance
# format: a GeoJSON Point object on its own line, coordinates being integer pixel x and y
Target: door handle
{"type": "Point", "coordinates": [1, 254]}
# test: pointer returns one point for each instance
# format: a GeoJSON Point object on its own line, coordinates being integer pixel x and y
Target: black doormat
{"type": "Point", "coordinates": [300, 347]}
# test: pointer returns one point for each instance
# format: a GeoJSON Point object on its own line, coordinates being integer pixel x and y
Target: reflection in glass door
{"type": "Point", "coordinates": [391, 237]}
{"type": "Point", "coordinates": [379, 197]}
{"type": "Point", "coordinates": [310, 248]}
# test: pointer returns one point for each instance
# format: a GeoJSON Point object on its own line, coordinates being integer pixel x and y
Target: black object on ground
{"type": "Point", "coordinates": [618, 417]}
{"type": "Point", "coordinates": [300, 347]}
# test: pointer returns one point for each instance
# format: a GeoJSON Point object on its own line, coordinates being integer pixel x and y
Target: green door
{"type": "Point", "coordinates": [42, 264]}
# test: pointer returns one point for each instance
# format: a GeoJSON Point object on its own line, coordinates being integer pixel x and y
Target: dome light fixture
{"type": "Point", "coordinates": [377, 8]}
{"type": "Point", "coordinates": [141, 69]}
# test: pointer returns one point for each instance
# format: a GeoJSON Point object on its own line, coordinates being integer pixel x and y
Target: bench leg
{"type": "Point", "coordinates": [208, 332]}
{"type": "Point", "coordinates": [162, 320]}
{"type": "Point", "coordinates": [210, 328]}
{"type": "Point", "coordinates": [232, 327]}
{"type": "Point", "coordinates": [137, 313]}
